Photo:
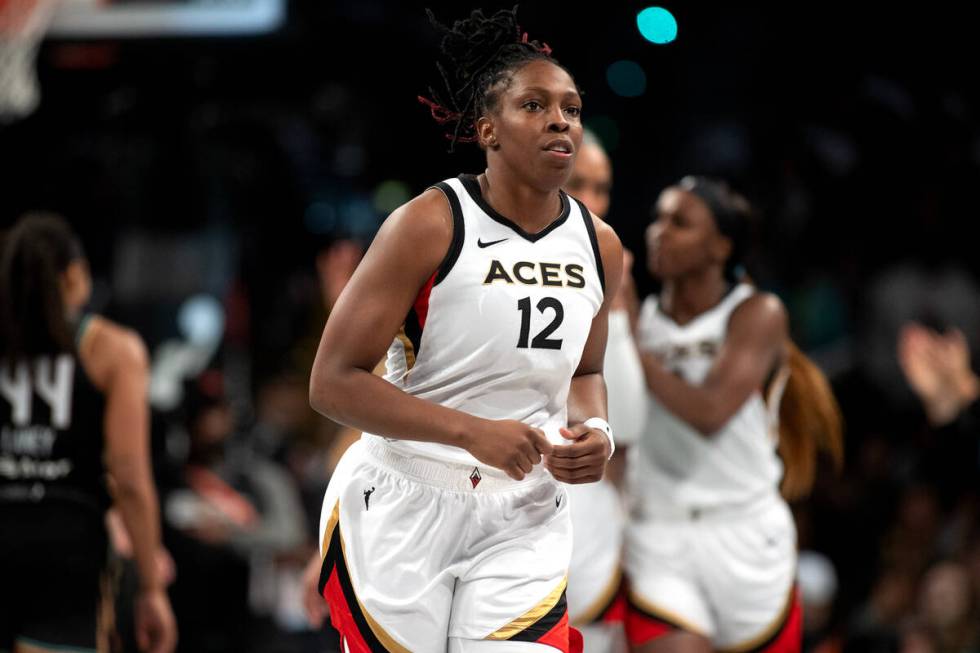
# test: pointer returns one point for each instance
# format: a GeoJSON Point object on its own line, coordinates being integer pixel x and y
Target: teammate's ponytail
{"type": "Point", "coordinates": [33, 255]}
{"type": "Point", "coordinates": [809, 422]}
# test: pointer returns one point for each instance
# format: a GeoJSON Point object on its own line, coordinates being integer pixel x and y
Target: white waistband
{"type": "Point", "coordinates": [448, 475]}
{"type": "Point", "coordinates": [653, 510]}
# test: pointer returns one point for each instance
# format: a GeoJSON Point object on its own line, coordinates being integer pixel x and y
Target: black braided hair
{"type": "Point", "coordinates": [477, 54]}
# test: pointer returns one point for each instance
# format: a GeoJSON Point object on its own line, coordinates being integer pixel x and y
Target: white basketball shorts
{"type": "Point", "coordinates": [727, 574]}
{"type": "Point", "coordinates": [417, 551]}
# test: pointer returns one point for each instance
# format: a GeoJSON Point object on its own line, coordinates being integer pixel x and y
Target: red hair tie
{"type": "Point", "coordinates": [440, 114]}
{"type": "Point", "coordinates": [545, 48]}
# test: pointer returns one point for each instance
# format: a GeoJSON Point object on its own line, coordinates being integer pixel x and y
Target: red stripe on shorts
{"type": "Point", "coordinates": [789, 638]}
{"type": "Point", "coordinates": [642, 628]}
{"type": "Point", "coordinates": [341, 616]}
{"type": "Point", "coordinates": [562, 637]}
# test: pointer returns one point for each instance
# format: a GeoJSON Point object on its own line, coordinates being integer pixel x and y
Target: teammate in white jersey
{"type": "Point", "coordinates": [711, 546]}
{"type": "Point", "coordinates": [445, 527]}
{"type": "Point", "coordinates": [595, 604]}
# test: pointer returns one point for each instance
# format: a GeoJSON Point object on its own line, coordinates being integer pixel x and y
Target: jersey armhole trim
{"type": "Point", "coordinates": [82, 329]}
{"type": "Point", "coordinates": [459, 232]}
{"type": "Point", "coordinates": [590, 227]}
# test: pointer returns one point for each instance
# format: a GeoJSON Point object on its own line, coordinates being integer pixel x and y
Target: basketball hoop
{"type": "Point", "coordinates": [22, 25]}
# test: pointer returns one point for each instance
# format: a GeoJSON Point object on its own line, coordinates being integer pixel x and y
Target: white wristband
{"type": "Point", "coordinates": [602, 425]}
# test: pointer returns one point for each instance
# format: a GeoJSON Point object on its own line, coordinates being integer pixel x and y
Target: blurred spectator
{"type": "Point", "coordinates": [948, 608]}
{"type": "Point", "coordinates": [937, 367]}
{"type": "Point", "coordinates": [234, 515]}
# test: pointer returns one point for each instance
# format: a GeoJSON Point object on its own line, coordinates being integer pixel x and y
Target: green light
{"type": "Point", "coordinates": [657, 25]}
{"type": "Point", "coordinates": [626, 78]}
{"type": "Point", "coordinates": [389, 195]}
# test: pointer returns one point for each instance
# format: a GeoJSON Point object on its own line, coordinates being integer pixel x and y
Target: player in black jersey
{"type": "Point", "coordinates": [74, 431]}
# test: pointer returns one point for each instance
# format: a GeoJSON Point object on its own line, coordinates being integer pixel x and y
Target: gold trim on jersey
{"type": "Point", "coordinates": [594, 611]}
{"type": "Point", "coordinates": [328, 533]}
{"type": "Point", "coordinates": [770, 631]}
{"type": "Point", "coordinates": [665, 615]}
{"type": "Point", "coordinates": [379, 632]}
{"type": "Point", "coordinates": [532, 616]}
{"type": "Point", "coordinates": [409, 348]}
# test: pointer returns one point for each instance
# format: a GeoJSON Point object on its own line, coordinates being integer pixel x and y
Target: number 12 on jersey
{"type": "Point", "coordinates": [540, 341]}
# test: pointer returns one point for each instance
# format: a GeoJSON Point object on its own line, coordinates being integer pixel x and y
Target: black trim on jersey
{"type": "Point", "coordinates": [335, 560]}
{"type": "Point", "coordinates": [413, 330]}
{"type": "Point", "coordinates": [472, 187]}
{"type": "Point", "coordinates": [590, 227]}
{"type": "Point", "coordinates": [459, 233]}
{"type": "Point", "coordinates": [543, 626]}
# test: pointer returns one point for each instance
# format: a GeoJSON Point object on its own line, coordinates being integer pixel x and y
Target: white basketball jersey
{"type": "Point", "coordinates": [675, 463]}
{"type": "Point", "coordinates": [499, 329]}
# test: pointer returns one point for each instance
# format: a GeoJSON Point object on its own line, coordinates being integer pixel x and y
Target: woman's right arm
{"type": "Point", "coordinates": [406, 252]}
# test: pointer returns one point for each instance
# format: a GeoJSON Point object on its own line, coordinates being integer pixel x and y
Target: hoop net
{"type": "Point", "coordinates": [22, 25]}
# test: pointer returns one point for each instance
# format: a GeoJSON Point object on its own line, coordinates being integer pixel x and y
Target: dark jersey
{"type": "Point", "coordinates": [51, 433]}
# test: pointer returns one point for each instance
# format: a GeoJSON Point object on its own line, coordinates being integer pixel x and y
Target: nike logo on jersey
{"type": "Point", "coordinates": [558, 501]}
{"type": "Point", "coordinates": [481, 244]}
{"type": "Point", "coordinates": [536, 274]}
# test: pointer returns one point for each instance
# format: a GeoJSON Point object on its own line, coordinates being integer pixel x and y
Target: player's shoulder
{"type": "Point", "coordinates": [604, 232]}
{"type": "Point", "coordinates": [112, 344]}
{"type": "Point", "coordinates": [763, 313]}
{"type": "Point", "coordinates": [107, 348]}
{"type": "Point", "coordinates": [427, 216]}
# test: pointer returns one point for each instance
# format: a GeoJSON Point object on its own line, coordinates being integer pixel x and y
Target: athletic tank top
{"type": "Point", "coordinates": [51, 432]}
{"type": "Point", "coordinates": [675, 463]}
{"type": "Point", "coordinates": [499, 328]}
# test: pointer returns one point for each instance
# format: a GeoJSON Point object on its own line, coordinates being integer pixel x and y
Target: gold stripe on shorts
{"type": "Point", "coordinates": [665, 615]}
{"type": "Point", "coordinates": [328, 533]}
{"type": "Point", "coordinates": [595, 610]}
{"type": "Point", "coordinates": [530, 617]}
{"type": "Point", "coordinates": [379, 632]}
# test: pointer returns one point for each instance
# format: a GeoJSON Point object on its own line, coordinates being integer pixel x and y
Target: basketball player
{"type": "Point", "coordinates": [711, 546]}
{"type": "Point", "coordinates": [73, 408]}
{"type": "Point", "coordinates": [597, 514]}
{"type": "Point", "coordinates": [445, 526]}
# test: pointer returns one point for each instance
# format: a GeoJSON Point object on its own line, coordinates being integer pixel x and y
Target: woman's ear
{"type": "Point", "coordinates": [721, 248]}
{"type": "Point", "coordinates": [485, 133]}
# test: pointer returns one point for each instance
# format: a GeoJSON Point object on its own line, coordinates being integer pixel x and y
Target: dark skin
{"type": "Point", "coordinates": [539, 106]}
{"type": "Point", "coordinates": [688, 253]}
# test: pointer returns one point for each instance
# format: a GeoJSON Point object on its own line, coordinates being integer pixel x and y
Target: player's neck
{"type": "Point", "coordinates": [530, 208]}
{"type": "Point", "coordinates": [685, 298]}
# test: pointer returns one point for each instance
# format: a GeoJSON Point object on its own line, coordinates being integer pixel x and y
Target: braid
{"type": "Point", "coordinates": [477, 54]}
